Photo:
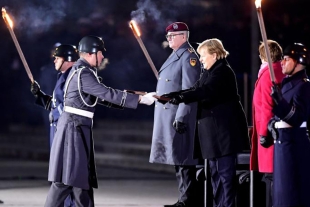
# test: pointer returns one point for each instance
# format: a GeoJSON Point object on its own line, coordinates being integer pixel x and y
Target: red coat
{"type": "Point", "coordinates": [262, 158]}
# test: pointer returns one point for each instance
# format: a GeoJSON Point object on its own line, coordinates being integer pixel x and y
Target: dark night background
{"type": "Point", "coordinates": [39, 24]}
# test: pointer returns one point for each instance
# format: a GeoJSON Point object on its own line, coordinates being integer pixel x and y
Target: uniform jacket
{"type": "Point", "coordinates": [180, 71]}
{"type": "Point", "coordinates": [72, 154]}
{"type": "Point", "coordinates": [292, 148]}
{"type": "Point", "coordinates": [54, 103]}
{"type": "Point", "coordinates": [222, 126]}
{"type": "Point", "coordinates": [261, 157]}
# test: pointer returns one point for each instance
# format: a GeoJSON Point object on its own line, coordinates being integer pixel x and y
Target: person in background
{"type": "Point", "coordinates": [65, 55]}
{"type": "Point", "coordinates": [72, 166]}
{"type": "Point", "coordinates": [289, 129]}
{"type": "Point", "coordinates": [221, 121]}
{"type": "Point", "coordinates": [174, 126]}
{"type": "Point", "coordinates": [262, 143]}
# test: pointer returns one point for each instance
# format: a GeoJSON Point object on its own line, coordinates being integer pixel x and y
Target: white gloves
{"type": "Point", "coordinates": [148, 98]}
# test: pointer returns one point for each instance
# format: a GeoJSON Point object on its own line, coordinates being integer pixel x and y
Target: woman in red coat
{"type": "Point", "coordinates": [262, 144]}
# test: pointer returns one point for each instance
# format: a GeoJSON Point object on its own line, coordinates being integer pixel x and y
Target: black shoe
{"type": "Point", "coordinates": [177, 204]}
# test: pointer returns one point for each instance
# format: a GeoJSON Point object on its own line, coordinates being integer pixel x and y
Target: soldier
{"type": "Point", "coordinates": [65, 56]}
{"type": "Point", "coordinates": [174, 126]}
{"type": "Point", "coordinates": [288, 127]}
{"type": "Point", "coordinates": [72, 165]}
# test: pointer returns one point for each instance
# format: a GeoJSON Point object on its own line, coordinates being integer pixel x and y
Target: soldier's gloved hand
{"type": "Point", "coordinates": [180, 127]}
{"type": "Point", "coordinates": [272, 129]}
{"type": "Point", "coordinates": [35, 89]}
{"type": "Point", "coordinates": [276, 94]}
{"type": "Point", "coordinates": [266, 141]}
{"type": "Point", "coordinates": [177, 100]}
{"type": "Point", "coordinates": [148, 98]}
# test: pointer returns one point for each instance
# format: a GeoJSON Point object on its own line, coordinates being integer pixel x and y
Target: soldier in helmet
{"type": "Point", "coordinates": [65, 55]}
{"type": "Point", "coordinates": [288, 127]}
{"type": "Point", "coordinates": [72, 166]}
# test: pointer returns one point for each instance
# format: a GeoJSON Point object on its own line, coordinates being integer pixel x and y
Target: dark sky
{"type": "Point", "coordinates": [39, 24]}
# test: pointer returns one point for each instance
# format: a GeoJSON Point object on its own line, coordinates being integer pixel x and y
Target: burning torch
{"type": "Point", "coordinates": [137, 34]}
{"type": "Point", "coordinates": [9, 24]}
{"type": "Point", "coordinates": [264, 36]}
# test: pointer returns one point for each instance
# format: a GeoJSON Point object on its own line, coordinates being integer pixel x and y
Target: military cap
{"type": "Point", "coordinates": [177, 26]}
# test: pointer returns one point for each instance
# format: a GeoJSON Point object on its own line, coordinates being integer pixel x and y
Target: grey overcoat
{"type": "Point", "coordinates": [180, 71]}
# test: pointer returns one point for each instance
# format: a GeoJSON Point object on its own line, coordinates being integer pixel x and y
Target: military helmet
{"type": "Point", "coordinates": [91, 44]}
{"type": "Point", "coordinates": [68, 52]}
{"type": "Point", "coordinates": [298, 52]}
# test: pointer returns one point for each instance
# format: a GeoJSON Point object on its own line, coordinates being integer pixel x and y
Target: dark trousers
{"type": "Point", "coordinates": [223, 180]}
{"type": "Point", "coordinates": [188, 185]}
{"type": "Point", "coordinates": [268, 179]}
{"type": "Point", "coordinates": [59, 192]}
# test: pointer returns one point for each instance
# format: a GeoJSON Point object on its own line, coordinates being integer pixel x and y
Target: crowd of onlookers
{"type": "Point", "coordinates": [128, 69]}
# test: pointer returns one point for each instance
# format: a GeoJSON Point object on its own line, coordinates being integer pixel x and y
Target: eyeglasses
{"type": "Point", "coordinates": [173, 35]}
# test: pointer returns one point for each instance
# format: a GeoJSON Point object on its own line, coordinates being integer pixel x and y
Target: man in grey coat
{"type": "Point", "coordinates": [72, 166]}
{"type": "Point", "coordinates": [174, 126]}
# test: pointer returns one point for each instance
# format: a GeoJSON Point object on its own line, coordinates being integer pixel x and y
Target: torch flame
{"type": "Point", "coordinates": [258, 3]}
{"type": "Point", "coordinates": [134, 27]}
{"type": "Point", "coordinates": [7, 18]}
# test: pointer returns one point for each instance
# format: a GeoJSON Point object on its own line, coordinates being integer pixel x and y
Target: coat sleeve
{"type": "Point", "coordinates": [90, 85]}
{"type": "Point", "coordinates": [295, 112]}
{"type": "Point", "coordinates": [266, 103]}
{"type": "Point", "coordinates": [214, 86]}
{"type": "Point", "coordinates": [190, 74]}
{"type": "Point", "coordinates": [45, 101]}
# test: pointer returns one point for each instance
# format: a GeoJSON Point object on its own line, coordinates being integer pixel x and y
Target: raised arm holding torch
{"type": "Point", "coordinates": [137, 34]}
{"type": "Point", "coordinates": [264, 36]}
{"type": "Point", "coordinates": [9, 24]}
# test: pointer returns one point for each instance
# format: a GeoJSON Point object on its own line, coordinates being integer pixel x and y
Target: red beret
{"type": "Point", "coordinates": [177, 26]}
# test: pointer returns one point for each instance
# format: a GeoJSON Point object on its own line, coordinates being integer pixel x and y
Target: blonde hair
{"type": "Point", "coordinates": [274, 48]}
{"type": "Point", "coordinates": [213, 45]}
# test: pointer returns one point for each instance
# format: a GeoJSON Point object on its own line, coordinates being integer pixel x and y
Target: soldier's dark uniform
{"type": "Point", "coordinates": [54, 103]}
{"type": "Point", "coordinates": [72, 166]}
{"type": "Point", "coordinates": [292, 148]}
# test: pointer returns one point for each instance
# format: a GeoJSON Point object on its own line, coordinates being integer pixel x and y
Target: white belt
{"type": "Point", "coordinates": [283, 124]}
{"type": "Point", "coordinates": [79, 112]}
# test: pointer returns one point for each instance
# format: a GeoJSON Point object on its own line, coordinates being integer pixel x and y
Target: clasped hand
{"type": "Point", "coordinates": [35, 89]}
{"type": "Point", "coordinates": [176, 97]}
{"type": "Point", "coordinates": [148, 99]}
{"type": "Point", "coordinates": [276, 94]}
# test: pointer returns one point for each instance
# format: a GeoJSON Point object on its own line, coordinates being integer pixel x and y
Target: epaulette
{"type": "Point", "coordinates": [306, 80]}
{"type": "Point", "coordinates": [191, 50]}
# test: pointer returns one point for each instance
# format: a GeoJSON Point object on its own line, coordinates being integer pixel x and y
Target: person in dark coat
{"type": "Point", "coordinates": [291, 145]}
{"type": "Point", "coordinates": [174, 126]}
{"type": "Point", "coordinates": [65, 55]}
{"type": "Point", "coordinates": [72, 166]}
{"type": "Point", "coordinates": [222, 126]}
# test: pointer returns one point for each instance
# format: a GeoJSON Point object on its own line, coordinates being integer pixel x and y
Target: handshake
{"type": "Point", "coordinates": [148, 98]}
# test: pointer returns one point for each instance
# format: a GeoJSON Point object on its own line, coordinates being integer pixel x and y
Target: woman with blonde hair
{"type": "Point", "coordinates": [222, 126]}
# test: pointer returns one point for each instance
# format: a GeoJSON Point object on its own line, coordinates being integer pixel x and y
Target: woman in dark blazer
{"type": "Point", "coordinates": [222, 126]}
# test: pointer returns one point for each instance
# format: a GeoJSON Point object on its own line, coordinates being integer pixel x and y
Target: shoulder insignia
{"type": "Point", "coordinates": [192, 61]}
{"type": "Point", "coordinates": [191, 50]}
{"type": "Point", "coordinates": [306, 80]}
